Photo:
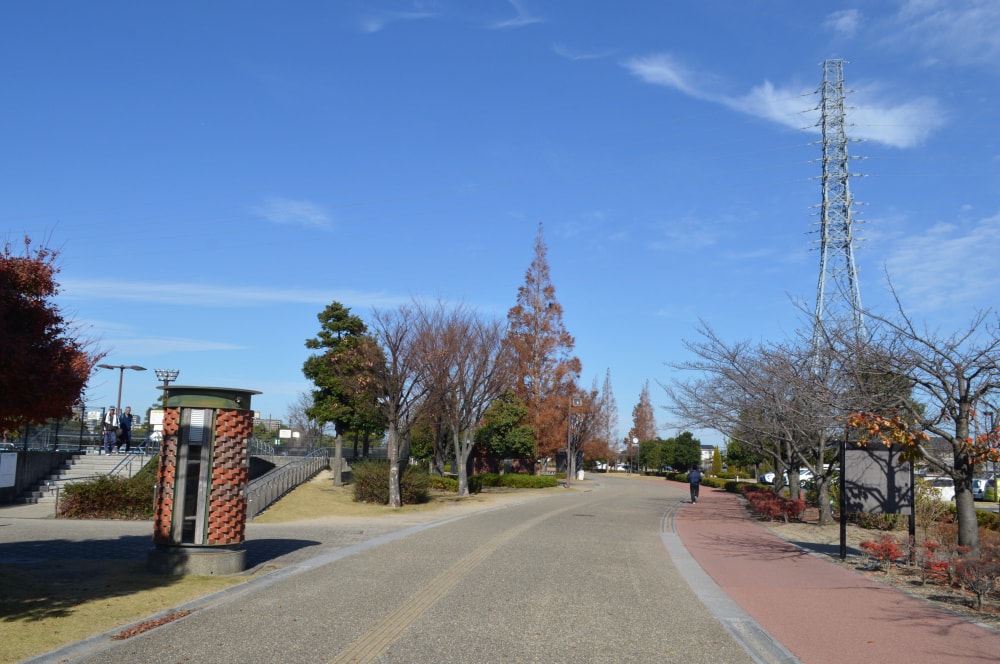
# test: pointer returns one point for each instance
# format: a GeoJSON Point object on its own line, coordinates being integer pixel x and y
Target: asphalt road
{"type": "Point", "coordinates": [580, 576]}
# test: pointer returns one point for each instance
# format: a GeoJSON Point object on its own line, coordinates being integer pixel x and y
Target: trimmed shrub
{"type": "Point", "coordinates": [107, 497]}
{"type": "Point", "coordinates": [515, 481]}
{"type": "Point", "coordinates": [444, 483]}
{"type": "Point", "coordinates": [370, 483]}
{"type": "Point", "coordinates": [771, 506]}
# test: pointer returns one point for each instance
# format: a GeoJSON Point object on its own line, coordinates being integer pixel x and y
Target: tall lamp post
{"type": "Point", "coordinates": [573, 401]}
{"type": "Point", "coordinates": [635, 458]}
{"type": "Point", "coordinates": [990, 422]}
{"type": "Point", "coordinates": [166, 376]}
{"type": "Point", "coordinates": [121, 377]}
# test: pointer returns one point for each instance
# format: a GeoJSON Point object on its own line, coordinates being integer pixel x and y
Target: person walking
{"type": "Point", "coordinates": [109, 433]}
{"type": "Point", "coordinates": [125, 425]}
{"type": "Point", "coordinates": [694, 480]}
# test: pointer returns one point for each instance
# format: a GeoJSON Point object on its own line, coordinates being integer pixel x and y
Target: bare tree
{"type": "Point", "coordinates": [400, 375]}
{"type": "Point", "coordinates": [770, 397]}
{"type": "Point", "coordinates": [585, 421]}
{"type": "Point", "coordinates": [472, 353]}
{"type": "Point", "coordinates": [953, 377]}
{"type": "Point", "coordinates": [299, 419]}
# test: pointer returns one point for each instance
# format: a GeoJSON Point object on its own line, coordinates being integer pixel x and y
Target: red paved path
{"type": "Point", "coordinates": [818, 610]}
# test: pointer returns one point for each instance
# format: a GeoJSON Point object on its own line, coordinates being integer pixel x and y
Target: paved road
{"type": "Point", "coordinates": [582, 576]}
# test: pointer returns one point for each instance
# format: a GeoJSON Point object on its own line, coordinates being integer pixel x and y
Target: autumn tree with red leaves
{"type": "Point", "coordinates": [544, 368]}
{"type": "Point", "coordinates": [45, 362]}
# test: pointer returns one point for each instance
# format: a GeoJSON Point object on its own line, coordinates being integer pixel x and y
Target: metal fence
{"type": "Point", "coordinates": [265, 491]}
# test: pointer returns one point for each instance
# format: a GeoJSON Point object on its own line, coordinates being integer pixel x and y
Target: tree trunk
{"type": "Point", "coordinates": [338, 461]}
{"type": "Point", "coordinates": [461, 460]}
{"type": "Point", "coordinates": [823, 497]}
{"type": "Point", "coordinates": [395, 500]}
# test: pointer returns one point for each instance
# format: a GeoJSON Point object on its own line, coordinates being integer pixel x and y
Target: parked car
{"type": "Point", "coordinates": [943, 486]}
{"type": "Point", "coordinates": [805, 475]}
{"type": "Point", "coordinates": [979, 489]}
{"type": "Point", "coordinates": [7, 447]}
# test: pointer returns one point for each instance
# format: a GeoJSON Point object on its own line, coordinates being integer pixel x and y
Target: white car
{"type": "Point", "coordinates": [804, 476]}
{"type": "Point", "coordinates": [978, 489]}
{"type": "Point", "coordinates": [943, 486]}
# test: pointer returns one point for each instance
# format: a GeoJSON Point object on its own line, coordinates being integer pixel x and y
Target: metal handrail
{"type": "Point", "coordinates": [266, 490]}
{"type": "Point", "coordinates": [125, 465]}
{"type": "Point", "coordinates": [257, 447]}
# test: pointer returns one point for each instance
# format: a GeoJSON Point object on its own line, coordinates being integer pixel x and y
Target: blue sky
{"type": "Point", "coordinates": [216, 173]}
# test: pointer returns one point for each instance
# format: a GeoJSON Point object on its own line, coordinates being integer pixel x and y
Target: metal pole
{"type": "Point", "coordinates": [569, 433]}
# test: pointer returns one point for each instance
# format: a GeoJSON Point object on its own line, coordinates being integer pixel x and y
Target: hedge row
{"type": "Point", "coordinates": [494, 481]}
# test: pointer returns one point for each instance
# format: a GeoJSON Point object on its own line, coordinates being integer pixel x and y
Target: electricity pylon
{"type": "Point", "coordinates": [837, 293]}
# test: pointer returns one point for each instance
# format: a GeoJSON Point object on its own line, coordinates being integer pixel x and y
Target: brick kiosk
{"type": "Point", "coordinates": [201, 511]}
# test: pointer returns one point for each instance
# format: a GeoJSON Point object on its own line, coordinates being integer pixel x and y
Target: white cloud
{"type": "Point", "coordinates": [206, 295]}
{"type": "Point", "coordinates": [904, 124]}
{"type": "Point", "coordinates": [293, 213]}
{"type": "Point", "coordinates": [564, 51]}
{"type": "Point", "coordinates": [845, 22]}
{"type": "Point", "coordinates": [947, 266]}
{"type": "Point", "coordinates": [966, 32]}
{"type": "Point", "coordinates": [685, 234]}
{"type": "Point", "coordinates": [522, 17]}
{"type": "Point", "coordinates": [136, 346]}
{"type": "Point", "coordinates": [378, 21]}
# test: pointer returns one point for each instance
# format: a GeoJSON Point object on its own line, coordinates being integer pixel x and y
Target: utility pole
{"type": "Point", "coordinates": [837, 292]}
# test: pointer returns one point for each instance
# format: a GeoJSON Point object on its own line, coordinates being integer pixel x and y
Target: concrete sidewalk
{"type": "Point", "coordinates": [819, 610]}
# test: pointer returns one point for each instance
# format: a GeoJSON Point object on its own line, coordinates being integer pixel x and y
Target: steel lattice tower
{"type": "Point", "coordinates": [838, 298]}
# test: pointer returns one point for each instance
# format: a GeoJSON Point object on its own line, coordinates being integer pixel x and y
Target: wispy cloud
{"type": "Point", "coordinates": [685, 234]}
{"type": "Point", "coordinates": [207, 295]}
{"type": "Point", "coordinates": [945, 266]}
{"type": "Point", "coordinates": [135, 346]}
{"type": "Point", "coordinates": [522, 17]}
{"type": "Point", "coordinates": [290, 212]}
{"type": "Point", "coordinates": [376, 22]}
{"type": "Point", "coordinates": [903, 124]}
{"type": "Point", "coordinates": [564, 51]}
{"type": "Point", "coordinates": [966, 32]}
{"type": "Point", "coordinates": [845, 22]}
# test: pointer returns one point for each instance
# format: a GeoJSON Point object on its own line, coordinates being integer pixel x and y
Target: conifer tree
{"type": "Point", "coordinates": [544, 368]}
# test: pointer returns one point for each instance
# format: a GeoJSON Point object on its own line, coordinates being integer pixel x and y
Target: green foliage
{"type": "Point", "coordinates": [988, 520]}
{"type": "Point", "coordinates": [505, 431]}
{"type": "Point", "coordinates": [440, 483]}
{"type": "Point", "coordinates": [370, 482]}
{"type": "Point", "coordinates": [107, 497]}
{"type": "Point", "coordinates": [687, 451]}
{"type": "Point", "coordinates": [741, 455]}
{"type": "Point", "coordinates": [342, 373]}
{"type": "Point", "coordinates": [716, 461]}
{"type": "Point", "coordinates": [517, 481]}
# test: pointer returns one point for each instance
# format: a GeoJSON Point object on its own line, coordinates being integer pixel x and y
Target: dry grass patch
{"type": "Point", "coordinates": [47, 606]}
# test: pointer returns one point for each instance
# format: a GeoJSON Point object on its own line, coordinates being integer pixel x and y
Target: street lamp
{"type": "Point", "coordinates": [635, 441]}
{"type": "Point", "coordinates": [573, 401]}
{"type": "Point", "coordinates": [989, 438]}
{"type": "Point", "coordinates": [167, 376]}
{"type": "Point", "coordinates": [121, 376]}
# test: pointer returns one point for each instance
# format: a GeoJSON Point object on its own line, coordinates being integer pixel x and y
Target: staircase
{"type": "Point", "coordinates": [83, 467]}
